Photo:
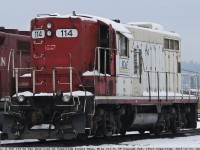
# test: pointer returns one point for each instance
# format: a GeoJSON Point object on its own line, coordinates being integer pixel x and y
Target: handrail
{"type": "Point", "coordinates": [158, 82]}
{"type": "Point", "coordinates": [70, 78]}
{"type": "Point", "coordinates": [54, 78]}
{"type": "Point", "coordinates": [16, 70]}
{"type": "Point", "coordinates": [16, 78]}
{"type": "Point", "coordinates": [97, 59]}
{"type": "Point", "coordinates": [195, 77]}
{"type": "Point", "coordinates": [97, 50]}
{"type": "Point", "coordinates": [175, 87]}
{"type": "Point", "coordinates": [11, 54]}
{"type": "Point", "coordinates": [38, 43]}
{"type": "Point", "coordinates": [37, 56]}
{"type": "Point", "coordinates": [149, 83]}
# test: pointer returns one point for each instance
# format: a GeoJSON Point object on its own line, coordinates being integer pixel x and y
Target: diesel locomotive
{"type": "Point", "coordinates": [93, 76]}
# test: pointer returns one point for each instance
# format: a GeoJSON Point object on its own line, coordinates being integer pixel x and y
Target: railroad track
{"type": "Point", "coordinates": [97, 141]}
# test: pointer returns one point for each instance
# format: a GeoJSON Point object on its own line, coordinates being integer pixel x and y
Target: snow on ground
{"type": "Point", "coordinates": [190, 141]}
{"type": "Point", "coordinates": [177, 142]}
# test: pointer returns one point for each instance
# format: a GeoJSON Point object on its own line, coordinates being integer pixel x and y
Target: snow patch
{"type": "Point", "coordinates": [43, 126]}
{"type": "Point", "coordinates": [149, 25]}
{"type": "Point", "coordinates": [163, 93]}
{"type": "Point", "coordinates": [117, 26]}
{"type": "Point", "coordinates": [93, 73]}
{"type": "Point", "coordinates": [26, 93]}
{"type": "Point", "coordinates": [26, 75]}
{"type": "Point", "coordinates": [75, 93]}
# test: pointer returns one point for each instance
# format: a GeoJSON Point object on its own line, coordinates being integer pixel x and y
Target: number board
{"type": "Point", "coordinates": [38, 34]}
{"type": "Point", "coordinates": [66, 33]}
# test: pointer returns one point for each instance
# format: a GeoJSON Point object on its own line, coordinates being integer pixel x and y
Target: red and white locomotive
{"type": "Point", "coordinates": [93, 76]}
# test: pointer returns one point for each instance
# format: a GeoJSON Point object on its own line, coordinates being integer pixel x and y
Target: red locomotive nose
{"type": "Point", "coordinates": [72, 43]}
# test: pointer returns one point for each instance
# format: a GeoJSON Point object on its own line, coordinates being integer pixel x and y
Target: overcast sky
{"type": "Point", "coordinates": [181, 16]}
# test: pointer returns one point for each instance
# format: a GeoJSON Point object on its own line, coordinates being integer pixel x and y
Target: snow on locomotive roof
{"type": "Point", "coordinates": [122, 28]}
{"type": "Point", "coordinates": [152, 27]}
{"type": "Point", "coordinates": [149, 25]}
{"type": "Point", "coordinates": [56, 15]}
{"type": "Point", "coordinates": [117, 26]}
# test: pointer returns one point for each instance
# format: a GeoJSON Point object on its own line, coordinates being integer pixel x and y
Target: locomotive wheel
{"type": "Point", "coordinates": [141, 132]}
{"type": "Point", "coordinates": [122, 132]}
{"type": "Point", "coordinates": [42, 140]}
{"type": "Point", "coordinates": [175, 129]}
{"type": "Point", "coordinates": [82, 137]}
{"type": "Point", "coordinates": [3, 136]}
{"type": "Point", "coordinates": [1, 120]}
{"type": "Point", "coordinates": [151, 132]}
{"type": "Point", "coordinates": [157, 131]}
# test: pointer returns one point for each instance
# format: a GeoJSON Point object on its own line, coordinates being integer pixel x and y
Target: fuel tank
{"type": "Point", "coordinates": [144, 121]}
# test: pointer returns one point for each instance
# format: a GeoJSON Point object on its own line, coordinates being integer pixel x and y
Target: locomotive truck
{"type": "Point", "coordinates": [14, 52]}
{"type": "Point", "coordinates": [92, 76]}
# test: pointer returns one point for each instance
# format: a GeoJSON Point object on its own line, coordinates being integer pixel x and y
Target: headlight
{"type": "Point", "coordinates": [66, 98]}
{"type": "Point", "coordinates": [21, 98]}
{"type": "Point", "coordinates": [49, 33]}
{"type": "Point", "coordinates": [49, 25]}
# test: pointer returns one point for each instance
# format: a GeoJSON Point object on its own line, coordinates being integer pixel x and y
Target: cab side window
{"type": "Point", "coordinates": [123, 45]}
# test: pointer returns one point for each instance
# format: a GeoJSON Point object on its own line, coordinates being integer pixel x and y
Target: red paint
{"type": "Point", "coordinates": [50, 47]}
{"type": "Point", "coordinates": [78, 52]}
{"type": "Point", "coordinates": [19, 41]}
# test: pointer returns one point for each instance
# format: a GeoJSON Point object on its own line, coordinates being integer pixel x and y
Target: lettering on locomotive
{"type": "Point", "coordinates": [66, 33]}
{"type": "Point", "coordinates": [3, 61]}
{"type": "Point", "coordinates": [38, 34]}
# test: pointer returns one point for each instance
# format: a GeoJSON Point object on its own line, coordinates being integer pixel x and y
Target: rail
{"type": "Point", "coordinates": [11, 56]}
{"type": "Point", "coordinates": [70, 83]}
{"type": "Point", "coordinates": [54, 78]}
{"type": "Point", "coordinates": [101, 55]}
{"type": "Point", "coordinates": [97, 54]}
{"type": "Point", "coordinates": [11, 59]}
{"type": "Point", "coordinates": [193, 81]}
{"type": "Point", "coordinates": [16, 70]}
{"type": "Point", "coordinates": [33, 70]}
{"type": "Point", "coordinates": [181, 84]}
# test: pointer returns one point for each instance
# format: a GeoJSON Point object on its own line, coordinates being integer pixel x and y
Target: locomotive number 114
{"type": "Point", "coordinates": [38, 34]}
{"type": "Point", "coordinates": [66, 33]}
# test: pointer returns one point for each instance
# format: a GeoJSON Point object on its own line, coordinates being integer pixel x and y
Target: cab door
{"type": "Point", "coordinates": [106, 62]}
